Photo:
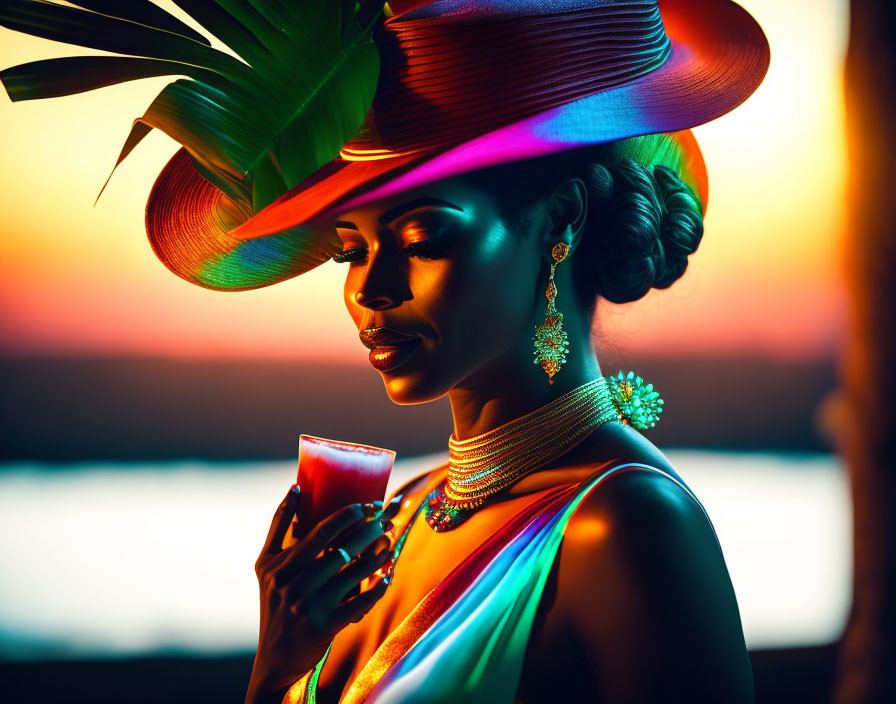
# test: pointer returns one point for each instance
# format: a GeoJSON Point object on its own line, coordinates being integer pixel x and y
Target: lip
{"type": "Point", "coordinates": [383, 336]}
{"type": "Point", "coordinates": [389, 357]}
{"type": "Point", "coordinates": [388, 348]}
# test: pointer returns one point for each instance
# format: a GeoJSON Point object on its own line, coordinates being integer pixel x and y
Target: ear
{"type": "Point", "coordinates": [567, 209]}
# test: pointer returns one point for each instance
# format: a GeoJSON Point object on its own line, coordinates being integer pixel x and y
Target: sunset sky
{"type": "Point", "coordinates": [75, 279]}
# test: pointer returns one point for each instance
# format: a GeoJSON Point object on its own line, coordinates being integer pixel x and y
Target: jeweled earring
{"type": "Point", "coordinates": [551, 344]}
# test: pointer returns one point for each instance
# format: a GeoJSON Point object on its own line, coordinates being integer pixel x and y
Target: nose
{"type": "Point", "coordinates": [376, 302]}
{"type": "Point", "coordinates": [382, 286]}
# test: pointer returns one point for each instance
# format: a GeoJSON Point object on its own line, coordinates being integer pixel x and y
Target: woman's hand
{"type": "Point", "coordinates": [311, 590]}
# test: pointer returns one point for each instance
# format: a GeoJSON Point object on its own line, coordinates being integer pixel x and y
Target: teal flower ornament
{"type": "Point", "coordinates": [638, 404]}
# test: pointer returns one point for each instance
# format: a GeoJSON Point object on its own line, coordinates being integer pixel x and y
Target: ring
{"type": "Point", "coordinates": [344, 554]}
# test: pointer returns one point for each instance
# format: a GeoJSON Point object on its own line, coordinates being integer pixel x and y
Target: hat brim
{"type": "Point", "coordinates": [719, 57]}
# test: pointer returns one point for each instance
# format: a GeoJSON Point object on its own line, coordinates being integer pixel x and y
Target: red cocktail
{"type": "Point", "coordinates": [334, 474]}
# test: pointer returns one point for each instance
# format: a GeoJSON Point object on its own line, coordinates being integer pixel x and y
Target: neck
{"type": "Point", "coordinates": [511, 385]}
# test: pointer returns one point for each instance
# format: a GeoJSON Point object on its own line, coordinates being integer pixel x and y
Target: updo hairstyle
{"type": "Point", "coordinates": [643, 220]}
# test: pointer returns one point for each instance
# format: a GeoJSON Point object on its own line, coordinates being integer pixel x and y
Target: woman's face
{"type": "Point", "coordinates": [437, 286]}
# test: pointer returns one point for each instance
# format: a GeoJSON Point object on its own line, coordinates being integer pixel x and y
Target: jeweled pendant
{"type": "Point", "coordinates": [441, 514]}
{"type": "Point", "coordinates": [551, 345]}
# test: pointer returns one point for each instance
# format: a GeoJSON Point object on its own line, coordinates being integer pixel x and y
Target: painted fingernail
{"type": "Point", "coordinates": [295, 489]}
{"type": "Point", "coordinates": [370, 510]}
{"type": "Point", "coordinates": [387, 525]}
{"type": "Point", "coordinates": [393, 507]}
{"type": "Point", "coordinates": [387, 580]}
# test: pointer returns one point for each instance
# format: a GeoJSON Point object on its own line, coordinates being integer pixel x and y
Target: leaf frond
{"type": "Point", "coordinates": [255, 127]}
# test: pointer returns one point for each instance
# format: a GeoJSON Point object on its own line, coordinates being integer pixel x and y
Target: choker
{"type": "Point", "coordinates": [482, 466]}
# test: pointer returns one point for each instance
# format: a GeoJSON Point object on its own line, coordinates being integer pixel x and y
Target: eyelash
{"type": "Point", "coordinates": [424, 249]}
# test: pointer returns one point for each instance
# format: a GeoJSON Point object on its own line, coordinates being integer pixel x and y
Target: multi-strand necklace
{"type": "Point", "coordinates": [482, 466]}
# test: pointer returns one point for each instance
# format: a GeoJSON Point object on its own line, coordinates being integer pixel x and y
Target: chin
{"type": "Point", "coordinates": [412, 388]}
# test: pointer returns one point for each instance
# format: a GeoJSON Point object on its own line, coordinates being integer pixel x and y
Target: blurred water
{"type": "Point", "coordinates": [126, 559]}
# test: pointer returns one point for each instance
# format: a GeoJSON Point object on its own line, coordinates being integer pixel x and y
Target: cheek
{"type": "Point", "coordinates": [482, 296]}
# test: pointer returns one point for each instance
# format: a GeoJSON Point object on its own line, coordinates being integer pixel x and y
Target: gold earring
{"type": "Point", "coordinates": [551, 343]}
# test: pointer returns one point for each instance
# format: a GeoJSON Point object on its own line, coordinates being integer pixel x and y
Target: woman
{"type": "Point", "coordinates": [637, 605]}
{"type": "Point", "coordinates": [514, 151]}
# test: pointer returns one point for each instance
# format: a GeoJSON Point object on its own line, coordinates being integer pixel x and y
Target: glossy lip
{"type": "Point", "coordinates": [389, 357]}
{"type": "Point", "coordinates": [388, 348]}
{"type": "Point", "coordinates": [372, 338]}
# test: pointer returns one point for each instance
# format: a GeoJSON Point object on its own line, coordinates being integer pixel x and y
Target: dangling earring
{"type": "Point", "coordinates": [551, 344]}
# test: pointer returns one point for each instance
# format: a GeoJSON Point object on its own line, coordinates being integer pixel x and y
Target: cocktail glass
{"type": "Point", "coordinates": [333, 474]}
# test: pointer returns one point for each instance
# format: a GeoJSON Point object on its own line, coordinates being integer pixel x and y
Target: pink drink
{"type": "Point", "coordinates": [334, 474]}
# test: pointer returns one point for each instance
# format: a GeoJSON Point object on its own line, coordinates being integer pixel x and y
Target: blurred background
{"type": "Point", "coordinates": [150, 427]}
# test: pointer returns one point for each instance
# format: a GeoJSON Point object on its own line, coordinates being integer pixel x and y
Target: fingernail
{"type": "Point", "coordinates": [387, 525]}
{"type": "Point", "coordinates": [393, 507]}
{"type": "Point", "coordinates": [370, 510]}
{"type": "Point", "coordinates": [295, 489]}
{"type": "Point", "coordinates": [386, 580]}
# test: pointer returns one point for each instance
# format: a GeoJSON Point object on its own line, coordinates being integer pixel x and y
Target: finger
{"type": "Point", "coordinates": [378, 545]}
{"type": "Point", "coordinates": [282, 518]}
{"type": "Point", "coordinates": [358, 538]}
{"type": "Point", "coordinates": [330, 528]}
{"type": "Point", "coordinates": [318, 573]}
{"type": "Point", "coordinates": [339, 586]}
{"type": "Point", "coordinates": [392, 508]}
{"type": "Point", "coordinates": [354, 609]}
{"type": "Point", "coordinates": [352, 541]}
{"type": "Point", "coordinates": [314, 576]}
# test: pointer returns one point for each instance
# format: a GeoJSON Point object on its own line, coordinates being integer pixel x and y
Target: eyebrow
{"type": "Point", "coordinates": [397, 211]}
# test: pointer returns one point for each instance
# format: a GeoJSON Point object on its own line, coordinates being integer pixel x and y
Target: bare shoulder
{"type": "Point", "coordinates": [647, 510]}
{"type": "Point", "coordinates": [642, 523]}
{"type": "Point", "coordinates": [642, 582]}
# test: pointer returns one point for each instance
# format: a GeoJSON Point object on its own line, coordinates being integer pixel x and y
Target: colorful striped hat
{"type": "Point", "coordinates": [331, 104]}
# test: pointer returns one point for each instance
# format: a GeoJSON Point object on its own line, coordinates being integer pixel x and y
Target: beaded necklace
{"type": "Point", "coordinates": [482, 466]}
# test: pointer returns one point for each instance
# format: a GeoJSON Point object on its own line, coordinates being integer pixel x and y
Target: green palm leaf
{"type": "Point", "coordinates": [144, 12]}
{"type": "Point", "coordinates": [52, 78]}
{"type": "Point", "coordinates": [255, 125]}
{"type": "Point", "coordinates": [107, 33]}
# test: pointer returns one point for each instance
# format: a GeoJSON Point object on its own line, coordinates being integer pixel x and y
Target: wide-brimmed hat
{"type": "Point", "coordinates": [466, 85]}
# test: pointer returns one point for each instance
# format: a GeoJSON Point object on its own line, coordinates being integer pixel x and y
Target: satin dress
{"type": "Point", "coordinates": [466, 638]}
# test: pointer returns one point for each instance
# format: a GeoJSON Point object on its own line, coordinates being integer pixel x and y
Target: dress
{"type": "Point", "coordinates": [473, 628]}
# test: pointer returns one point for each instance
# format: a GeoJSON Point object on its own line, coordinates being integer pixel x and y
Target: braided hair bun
{"type": "Point", "coordinates": [643, 222]}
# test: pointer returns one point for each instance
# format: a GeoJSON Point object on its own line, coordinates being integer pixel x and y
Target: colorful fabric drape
{"type": "Point", "coordinates": [466, 639]}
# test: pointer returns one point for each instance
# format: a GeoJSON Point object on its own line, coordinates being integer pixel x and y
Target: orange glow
{"type": "Point", "coordinates": [81, 280]}
{"type": "Point", "coordinates": [586, 528]}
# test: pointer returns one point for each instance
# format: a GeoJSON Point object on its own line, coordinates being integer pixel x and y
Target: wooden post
{"type": "Point", "coordinates": [867, 668]}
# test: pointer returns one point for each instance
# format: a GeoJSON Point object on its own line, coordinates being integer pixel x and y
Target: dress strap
{"type": "Point", "coordinates": [603, 473]}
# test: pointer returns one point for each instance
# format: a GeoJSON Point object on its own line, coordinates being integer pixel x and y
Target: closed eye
{"type": "Point", "coordinates": [428, 249]}
{"type": "Point", "coordinates": [353, 254]}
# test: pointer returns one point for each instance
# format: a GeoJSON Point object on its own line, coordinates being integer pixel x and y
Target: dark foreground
{"type": "Point", "coordinates": [789, 676]}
